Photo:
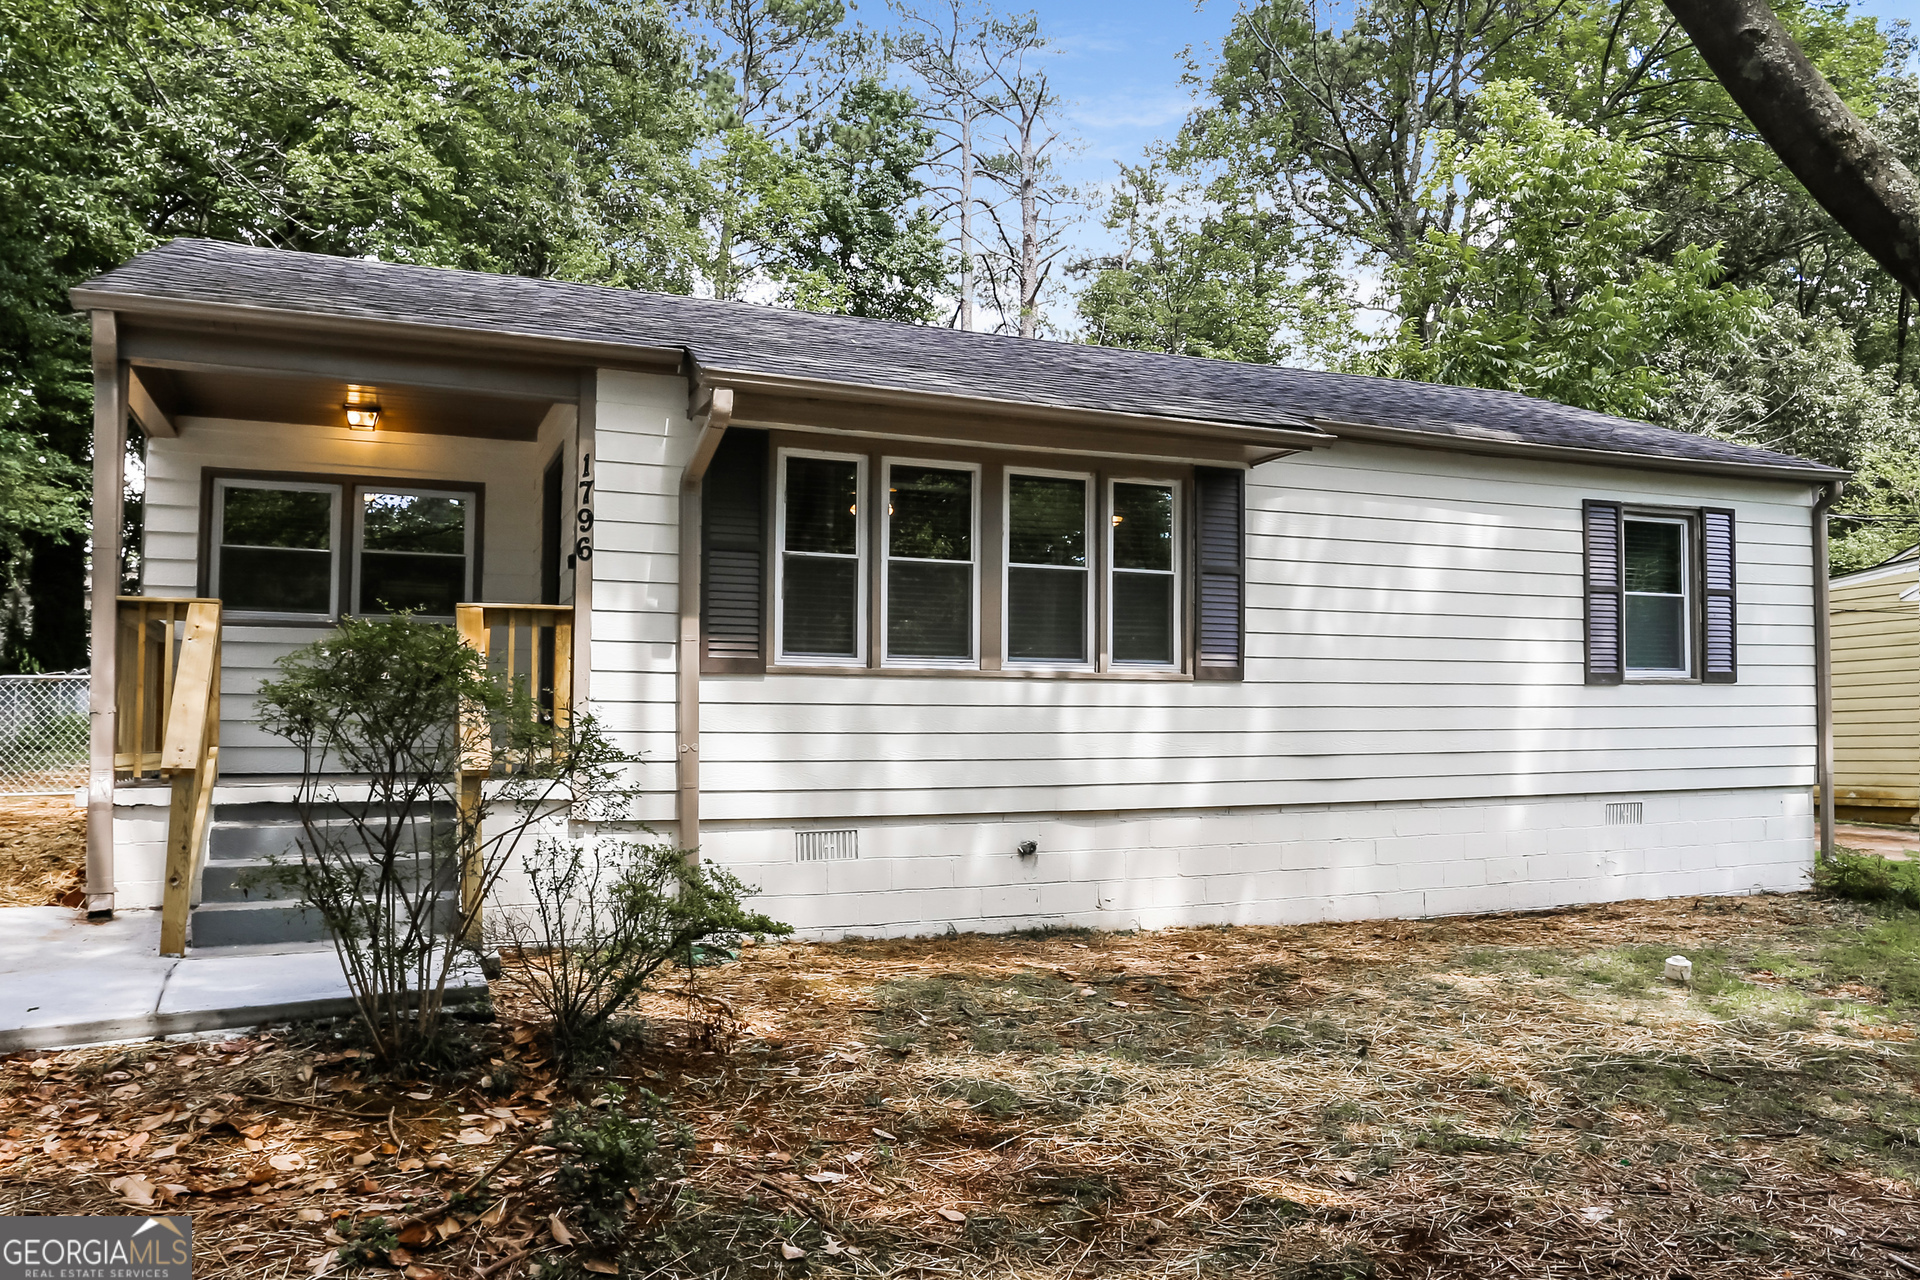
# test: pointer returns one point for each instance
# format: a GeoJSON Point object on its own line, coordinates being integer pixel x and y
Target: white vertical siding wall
{"type": "Point", "coordinates": [510, 470]}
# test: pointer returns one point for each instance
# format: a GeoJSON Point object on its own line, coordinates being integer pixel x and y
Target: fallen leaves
{"type": "Point", "coordinates": [134, 1189]}
{"type": "Point", "coordinates": [473, 1138]}
{"type": "Point", "coordinates": [558, 1230]}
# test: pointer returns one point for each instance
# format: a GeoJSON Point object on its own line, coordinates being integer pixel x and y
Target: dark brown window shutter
{"type": "Point", "coordinates": [733, 544]}
{"type": "Point", "coordinates": [1220, 588]}
{"type": "Point", "coordinates": [1605, 591]}
{"type": "Point", "coordinates": [1720, 648]}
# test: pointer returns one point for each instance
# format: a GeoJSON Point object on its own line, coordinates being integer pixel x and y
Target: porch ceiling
{"type": "Point", "coordinates": [311, 401]}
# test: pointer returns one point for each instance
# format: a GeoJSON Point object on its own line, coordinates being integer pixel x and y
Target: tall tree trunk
{"type": "Point", "coordinates": [1029, 234]}
{"type": "Point", "coordinates": [966, 217]}
{"type": "Point", "coordinates": [1855, 176]}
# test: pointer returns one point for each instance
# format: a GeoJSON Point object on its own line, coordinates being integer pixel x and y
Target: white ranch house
{"type": "Point", "coordinates": [917, 628]}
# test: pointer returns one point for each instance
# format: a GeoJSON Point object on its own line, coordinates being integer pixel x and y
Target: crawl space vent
{"type": "Point", "coordinates": [825, 846]}
{"type": "Point", "coordinates": [1624, 813]}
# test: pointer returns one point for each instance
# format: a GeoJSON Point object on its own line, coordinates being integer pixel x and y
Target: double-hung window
{"type": "Point", "coordinates": [415, 551]}
{"type": "Point", "coordinates": [1049, 596]}
{"type": "Point", "coordinates": [310, 550]}
{"type": "Point", "coordinates": [1661, 594]}
{"type": "Point", "coordinates": [930, 585]}
{"type": "Point", "coordinates": [1144, 592]}
{"type": "Point", "coordinates": [1658, 632]}
{"type": "Point", "coordinates": [821, 614]}
{"type": "Point", "coordinates": [274, 548]}
{"type": "Point", "coordinates": [822, 551]}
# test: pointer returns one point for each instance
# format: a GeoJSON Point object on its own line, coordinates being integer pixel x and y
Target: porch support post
{"type": "Point", "coordinates": [109, 479]}
{"type": "Point", "coordinates": [1827, 495]}
{"type": "Point", "coordinates": [711, 411]}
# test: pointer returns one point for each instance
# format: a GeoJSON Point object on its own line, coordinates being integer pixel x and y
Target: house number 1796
{"type": "Point", "coordinates": [583, 515]}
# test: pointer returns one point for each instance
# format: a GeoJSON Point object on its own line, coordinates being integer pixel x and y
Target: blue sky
{"type": "Point", "coordinates": [1119, 63]}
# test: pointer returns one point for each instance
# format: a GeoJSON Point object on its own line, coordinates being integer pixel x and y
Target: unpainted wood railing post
{"type": "Point", "coordinates": [187, 758]}
{"type": "Point", "coordinates": [475, 761]}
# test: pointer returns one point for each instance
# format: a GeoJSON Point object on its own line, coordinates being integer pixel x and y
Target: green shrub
{"type": "Point", "coordinates": [1865, 878]}
{"type": "Point", "coordinates": [612, 1161]}
{"type": "Point", "coordinates": [606, 915]}
{"type": "Point", "coordinates": [388, 714]}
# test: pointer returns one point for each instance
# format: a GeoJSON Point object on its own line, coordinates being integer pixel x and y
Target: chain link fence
{"type": "Point", "coordinates": [43, 734]}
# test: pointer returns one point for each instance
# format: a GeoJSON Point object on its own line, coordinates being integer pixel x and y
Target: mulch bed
{"type": "Point", "coordinates": [1493, 1096]}
{"type": "Point", "coordinates": [43, 851]}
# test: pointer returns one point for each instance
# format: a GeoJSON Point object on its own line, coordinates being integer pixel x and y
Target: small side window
{"type": "Point", "coordinates": [1659, 598]}
{"type": "Point", "coordinates": [274, 548]}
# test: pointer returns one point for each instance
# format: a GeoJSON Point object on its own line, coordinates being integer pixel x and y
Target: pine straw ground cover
{"type": "Point", "coordinates": [1504, 1096]}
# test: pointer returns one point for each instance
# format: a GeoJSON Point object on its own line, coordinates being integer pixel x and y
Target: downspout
{"type": "Point", "coordinates": [1823, 665]}
{"type": "Point", "coordinates": [109, 480]}
{"type": "Point", "coordinates": [711, 410]}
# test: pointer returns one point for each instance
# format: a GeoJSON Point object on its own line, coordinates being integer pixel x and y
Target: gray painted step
{"type": "Point", "coordinates": [243, 903]}
{"type": "Point", "coordinates": [240, 924]}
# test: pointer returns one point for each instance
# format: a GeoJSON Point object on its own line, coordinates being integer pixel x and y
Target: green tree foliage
{"type": "Point", "coordinates": [847, 231]}
{"type": "Point", "coordinates": [551, 138]}
{"type": "Point", "coordinates": [1208, 277]}
{"type": "Point", "coordinates": [1550, 294]}
{"type": "Point", "coordinates": [40, 496]}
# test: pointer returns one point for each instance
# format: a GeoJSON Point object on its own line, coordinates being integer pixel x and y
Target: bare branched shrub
{"type": "Point", "coordinates": [606, 915]}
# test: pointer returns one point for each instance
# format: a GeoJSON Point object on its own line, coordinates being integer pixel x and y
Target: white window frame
{"type": "Point", "coordinates": [861, 569]}
{"type": "Point", "coordinates": [360, 492]}
{"type": "Point", "coordinates": [1688, 593]}
{"type": "Point", "coordinates": [1177, 562]}
{"type": "Point", "coordinates": [884, 550]}
{"type": "Point", "coordinates": [1090, 606]}
{"type": "Point", "coordinates": [220, 486]}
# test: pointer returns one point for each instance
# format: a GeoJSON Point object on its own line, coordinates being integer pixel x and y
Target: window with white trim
{"type": "Point", "coordinates": [413, 551]}
{"type": "Point", "coordinates": [275, 548]}
{"type": "Point", "coordinates": [1049, 589]}
{"type": "Point", "coordinates": [1657, 634]}
{"type": "Point", "coordinates": [820, 615]}
{"type": "Point", "coordinates": [1143, 589]}
{"type": "Point", "coordinates": [931, 584]}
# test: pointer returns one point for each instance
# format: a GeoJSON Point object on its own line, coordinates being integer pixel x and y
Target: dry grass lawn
{"type": "Point", "coordinates": [1515, 1096]}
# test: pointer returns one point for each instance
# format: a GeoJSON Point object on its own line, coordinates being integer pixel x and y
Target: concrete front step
{"type": "Point", "coordinates": [246, 895]}
{"type": "Point", "coordinates": [261, 879]}
{"type": "Point", "coordinates": [275, 921]}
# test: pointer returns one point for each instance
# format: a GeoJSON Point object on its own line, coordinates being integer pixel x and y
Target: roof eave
{"type": "Point", "coordinates": [1449, 442]}
{"type": "Point", "coordinates": [576, 351]}
{"type": "Point", "coordinates": [1294, 434]}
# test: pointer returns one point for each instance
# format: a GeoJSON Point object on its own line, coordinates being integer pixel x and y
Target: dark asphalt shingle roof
{"type": "Point", "coordinates": [884, 354]}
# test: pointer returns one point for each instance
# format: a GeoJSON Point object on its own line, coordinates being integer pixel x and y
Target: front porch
{"type": "Point", "coordinates": [289, 485]}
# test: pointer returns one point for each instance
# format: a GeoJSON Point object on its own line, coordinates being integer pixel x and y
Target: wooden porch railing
{"type": "Point", "coordinates": [167, 722]}
{"type": "Point", "coordinates": [530, 648]}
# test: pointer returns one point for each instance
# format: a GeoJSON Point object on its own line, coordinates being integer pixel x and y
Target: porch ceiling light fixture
{"type": "Point", "coordinates": [363, 408]}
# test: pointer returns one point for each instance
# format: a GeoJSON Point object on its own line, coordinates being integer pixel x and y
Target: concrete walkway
{"type": "Point", "coordinates": [1901, 844]}
{"type": "Point", "coordinates": [66, 981]}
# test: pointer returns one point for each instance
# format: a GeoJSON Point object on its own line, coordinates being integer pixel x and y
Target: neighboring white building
{"type": "Point", "coordinates": [1219, 642]}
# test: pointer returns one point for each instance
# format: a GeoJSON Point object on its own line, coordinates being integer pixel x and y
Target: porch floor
{"type": "Point", "coordinates": [66, 981]}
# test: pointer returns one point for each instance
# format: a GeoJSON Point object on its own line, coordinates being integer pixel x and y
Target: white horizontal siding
{"type": "Point", "coordinates": [1414, 634]}
{"type": "Point", "coordinates": [642, 441]}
